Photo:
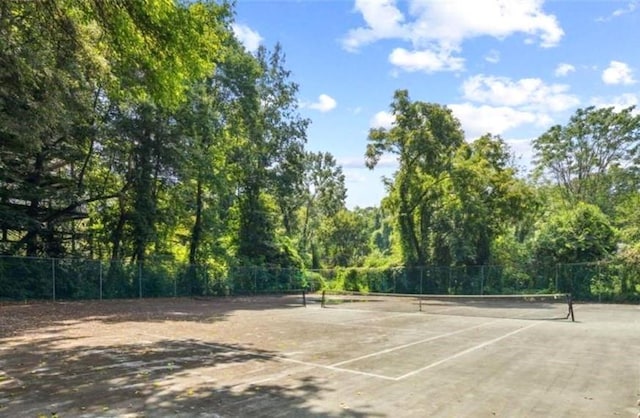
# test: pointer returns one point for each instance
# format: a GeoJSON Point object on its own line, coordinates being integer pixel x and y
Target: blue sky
{"type": "Point", "coordinates": [510, 67]}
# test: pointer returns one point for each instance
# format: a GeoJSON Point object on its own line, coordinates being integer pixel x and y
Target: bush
{"type": "Point", "coordinates": [313, 281]}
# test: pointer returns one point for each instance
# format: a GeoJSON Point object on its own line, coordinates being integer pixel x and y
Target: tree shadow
{"type": "Point", "coordinates": [17, 318]}
{"type": "Point", "coordinates": [165, 378]}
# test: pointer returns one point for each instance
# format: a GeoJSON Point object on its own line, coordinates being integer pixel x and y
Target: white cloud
{"type": "Point", "coordinates": [382, 119]}
{"type": "Point", "coordinates": [437, 29]}
{"type": "Point", "coordinates": [492, 56]}
{"type": "Point", "coordinates": [452, 21]}
{"type": "Point", "coordinates": [631, 7]}
{"type": "Point", "coordinates": [523, 150]}
{"type": "Point", "coordinates": [618, 102]}
{"type": "Point", "coordinates": [618, 73]}
{"type": "Point", "coordinates": [383, 20]}
{"type": "Point", "coordinates": [325, 103]}
{"type": "Point", "coordinates": [528, 93]}
{"type": "Point", "coordinates": [478, 120]}
{"type": "Point", "coordinates": [354, 163]}
{"type": "Point", "coordinates": [563, 69]}
{"type": "Point", "coordinates": [426, 60]}
{"type": "Point", "coordinates": [247, 36]}
{"type": "Point", "coordinates": [499, 104]}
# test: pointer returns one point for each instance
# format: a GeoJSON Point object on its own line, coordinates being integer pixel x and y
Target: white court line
{"type": "Point", "coordinates": [334, 367]}
{"type": "Point", "coordinates": [467, 351]}
{"type": "Point", "coordinates": [400, 347]}
{"type": "Point", "coordinates": [283, 359]}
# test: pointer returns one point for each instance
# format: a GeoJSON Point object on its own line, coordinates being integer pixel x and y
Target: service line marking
{"type": "Point", "coordinates": [467, 351]}
{"type": "Point", "coordinates": [424, 340]}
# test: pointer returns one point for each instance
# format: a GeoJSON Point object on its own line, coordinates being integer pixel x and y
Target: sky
{"type": "Point", "coordinates": [512, 68]}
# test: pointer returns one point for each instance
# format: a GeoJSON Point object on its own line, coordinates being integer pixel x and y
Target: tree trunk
{"type": "Point", "coordinates": [196, 234]}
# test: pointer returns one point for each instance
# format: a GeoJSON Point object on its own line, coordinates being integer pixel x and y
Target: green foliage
{"type": "Point", "coordinates": [424, 138]}
{"type": "Point", "coordinates": [313, 281]}
{"type": "Point", "coordinates": [322, 196]}
{"type": "Point", "coordinates": [575, 235]}
{"type": "Point", "coordinates": [480, 199]}
{"type": "Point", "coordinates": [144, 133]}
{"type": "Point", "coordinates": [590, 154]}
{"type": "Point", "coordinates": [344, 239]}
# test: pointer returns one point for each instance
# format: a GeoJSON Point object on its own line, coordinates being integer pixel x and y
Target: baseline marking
{"type": "Point", "coordinates": [467, 351]}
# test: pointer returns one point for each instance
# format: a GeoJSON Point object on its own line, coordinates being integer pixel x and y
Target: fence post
{"type": "Point", "coordinates": [53, 278]}
{"type": "Point", "coordinates": [421, 273]}
{"type": "Point", "coordinates": [481, 280]}
{"type": "Point", "coordinates": [599, 282]}
{"type": "Point", "coordinates": [140, 280]}
{"type": "Point", "coordinates": [255, 279]}
{"type": "Point", "coordinates": [100, 277]}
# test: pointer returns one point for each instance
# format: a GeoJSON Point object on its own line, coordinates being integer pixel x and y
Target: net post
{"type": "Point", "coordinates": [420, 304]}
{"type": "Point", "coordinates": [570, 305]}
{"type": "Point", "coordinates": [323, 300]}
{"type": "Point", "coordinates": [304, 298]}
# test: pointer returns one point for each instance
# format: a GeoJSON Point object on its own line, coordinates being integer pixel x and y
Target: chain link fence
{"type": "Point", "coordinates": [602, 281]}
{"type": "Point", "coordinates": [24, 278]}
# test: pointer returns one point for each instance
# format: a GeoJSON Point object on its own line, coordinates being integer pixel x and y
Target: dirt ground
{"type": "Point", "coordinates": [272, 357]}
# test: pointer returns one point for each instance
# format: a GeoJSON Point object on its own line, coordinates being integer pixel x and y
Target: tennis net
{"type": "Point", "coordinates": [529, 306]}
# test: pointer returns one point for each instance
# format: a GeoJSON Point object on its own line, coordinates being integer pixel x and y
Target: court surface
{"type": "Point", "coordinates": [271, 357]}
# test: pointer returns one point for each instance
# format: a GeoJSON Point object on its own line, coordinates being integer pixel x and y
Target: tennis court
{"type": "Point", "coordinates": [270, 356]}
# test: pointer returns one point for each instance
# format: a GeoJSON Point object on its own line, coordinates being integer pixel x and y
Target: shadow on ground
{"type": "Point", "coordinates": [18, 318]}
{"type": "Point", "coordinates": [165, 378]}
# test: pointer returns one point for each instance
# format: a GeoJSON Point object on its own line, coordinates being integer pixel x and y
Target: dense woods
{"type": "Point", "coordinates": [133, 132]}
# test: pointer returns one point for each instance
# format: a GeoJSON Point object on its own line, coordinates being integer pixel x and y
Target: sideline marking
{"type": "Point", "coordinates": [468, 350]}
{"type": "Point", "coordinates": [400, 347]}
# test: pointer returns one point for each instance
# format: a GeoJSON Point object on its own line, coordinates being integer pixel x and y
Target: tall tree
{"type": "Point", "coordinates": [323, 196]}
{"type": "Point", "coordinates": [580, 156]}
{"type": "Point", "coordinates": [213, 123]}
{"type": "Point", "coordinates": [62, 62]}
{"type": "Point", "coordinates": [274, 145]}
{"type": "Point", "coordinates": [46, 95]}
{"type": "Point", "coordinates": [481, 199]}
{"type": "Point", "coordinates": [424, 137]}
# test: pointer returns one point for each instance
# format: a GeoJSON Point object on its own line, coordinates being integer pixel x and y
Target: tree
{"type": "Point", "coordinates": [424, 138]}
{"type": "Point", "coordinates": [345, 238]}
{"type": "Point", "coordinates": [582, 157]}
{"type": "Point", "coordinates": [46, 93]}
{"type": "Point", "coordinates": [323, 195]}
{"type": "Point", "coordinates": [480, 200]}
{"type": "Point", "coordinates": [579, 234]}
{"type": "Point", "coordinates": [62, 65]}
{"type": "Point", "coordinates": [272, 150]}
{"type": "Point", "coordinates": [212, 123]}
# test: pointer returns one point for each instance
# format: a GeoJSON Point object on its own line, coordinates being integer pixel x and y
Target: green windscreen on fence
{"type": "Point", "coordinates": [26, 278]}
